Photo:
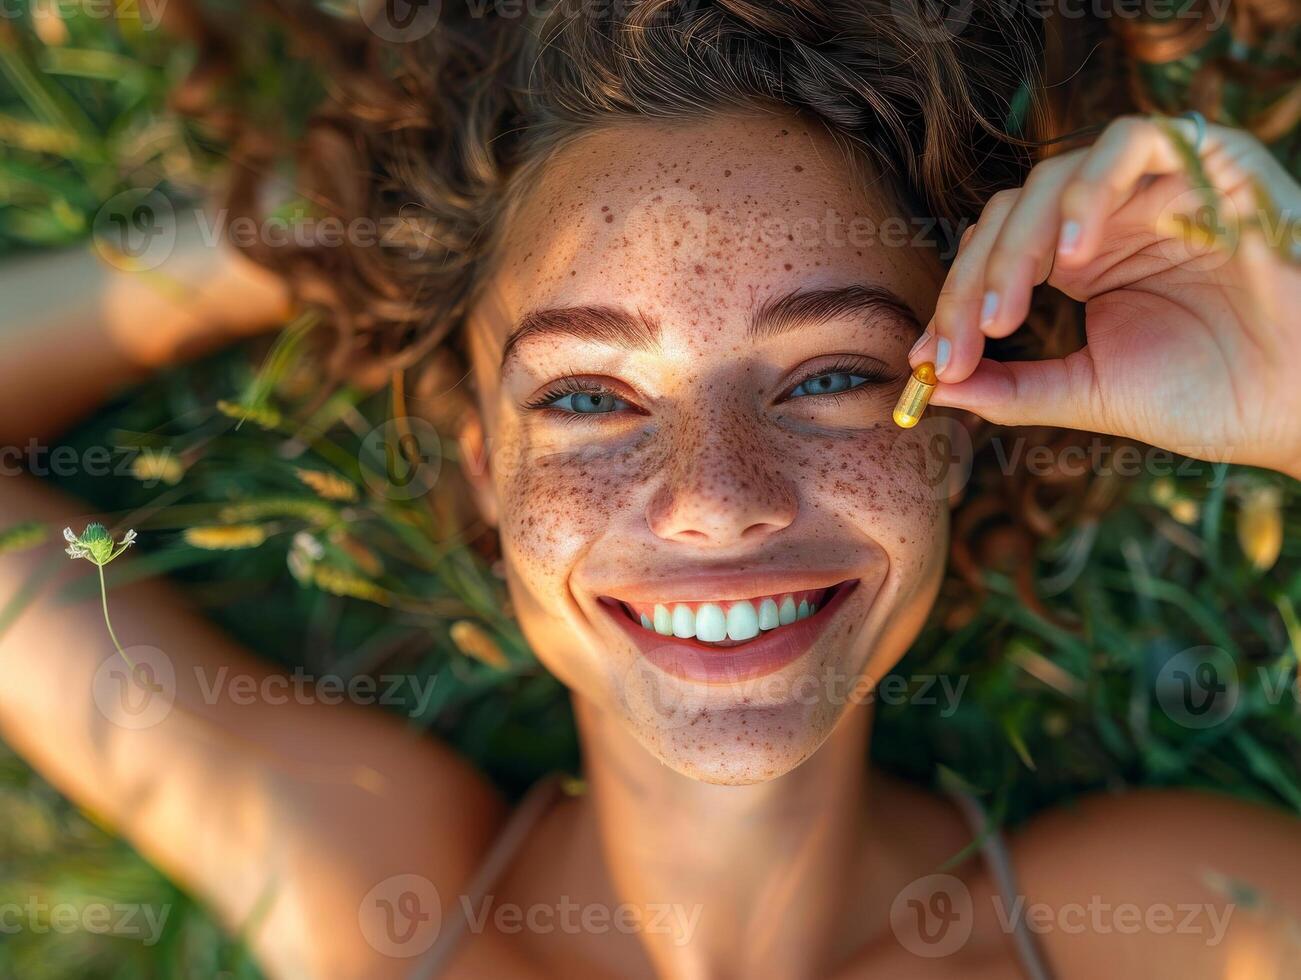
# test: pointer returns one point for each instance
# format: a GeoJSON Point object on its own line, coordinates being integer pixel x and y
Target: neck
{"type": "Point", "coordinates": [751, 878]}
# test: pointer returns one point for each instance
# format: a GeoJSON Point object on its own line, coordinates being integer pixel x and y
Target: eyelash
{"type": "Point", "coordinates": [569, 385]}
{"type": "Point", "coordinates": [871, 373]}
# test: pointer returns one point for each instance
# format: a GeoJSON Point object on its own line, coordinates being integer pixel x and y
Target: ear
{"type": "Point", "coordinates": [476, 464]}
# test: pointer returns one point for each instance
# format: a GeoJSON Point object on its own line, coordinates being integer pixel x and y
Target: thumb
{"type": "Point", "coordinates": [1058, 392]}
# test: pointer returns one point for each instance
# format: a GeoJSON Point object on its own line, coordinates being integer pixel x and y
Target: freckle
{"type": "Point", "coordinates": [609, 218]}
{"type": "Point", "coordinates": [572, 272]}
{"type": "Point", "coordinates": [798, 169]}
{"type": "Point", "coordinates": [700, 270]}
{"type": "Point", "coordinates": [788, 267]}
{"type": "Point", "coordinates": [727, 173]}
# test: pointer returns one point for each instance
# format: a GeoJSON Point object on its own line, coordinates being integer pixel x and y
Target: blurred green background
{"type": "Point", "coordinates": [1080, 691]}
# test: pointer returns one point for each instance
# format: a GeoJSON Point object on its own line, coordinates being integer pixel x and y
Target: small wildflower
{"type": "Point", "coordinates": [1163, 491]}
{"type": "Point", "coordinates": [22, 536]}
{"type": "Point", "coordinates": [574, 786]}
{"type": "Point", "coordinates": [225, 537]}
{"type": "Point", "coordinates": [300, 566]}
{"type": "Point", "coordinates": [474, 641]}
{"type": "Point", "coordinates": [305, 508]}
{"type": "Point", "coordinates": [363, 557]}
{"type": "Point", "coordinates": [304, 552]}
{"type": "Point", "coordinates": [309, 546]}
{"type": "Point", "coordinates": [262, 415]}
{"type": "Point", "coordinates": [153, 466]}
{"type": "Point", "coordinates": [1185, 511]}
{"type": "Point", "coordinates": [1260, 526]}
{"type": "Point", "coordinates": [95, 544]}
{"type": "Point", "coordinates": [338, 582]}
{"type": "Point", "coordinates": [331, 486]}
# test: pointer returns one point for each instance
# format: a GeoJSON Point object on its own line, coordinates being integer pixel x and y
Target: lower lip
{"type": "Point", "coordinates": [705, 663]}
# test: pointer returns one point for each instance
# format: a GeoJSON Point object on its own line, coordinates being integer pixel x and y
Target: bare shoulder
{"type": "Point", "coordinates": [1191, 883]}
{"type": "Point", "coordinates": [368, 867]}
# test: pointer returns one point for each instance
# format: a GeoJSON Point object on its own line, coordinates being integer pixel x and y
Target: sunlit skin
{"type": "Point", "coordinates": [750, 451]}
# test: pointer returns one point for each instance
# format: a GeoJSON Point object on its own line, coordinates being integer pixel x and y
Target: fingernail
{"type": "Point", "coordinates": [942, 351]}
{"type": "Point", "coordinates": [989, 307]}
{"type": "Point", "coordinates": [927, 334]}
{"type": "Point", "coordinates": [1069, 238]}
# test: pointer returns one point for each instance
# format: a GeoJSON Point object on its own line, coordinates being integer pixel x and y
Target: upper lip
{"type": "Point", "coordinates": [724, 585]}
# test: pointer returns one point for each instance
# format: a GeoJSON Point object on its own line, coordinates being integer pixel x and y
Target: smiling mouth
{"type": "Point", "coordinates": [723, 641]}
{"type": "Point", "coordinates": [727, 623]}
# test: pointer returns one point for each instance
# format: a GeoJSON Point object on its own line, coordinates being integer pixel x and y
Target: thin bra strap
{"type": "Point", "coordinates": [536, 802]}
{"type": "Point", "coordinates": [994, 850]}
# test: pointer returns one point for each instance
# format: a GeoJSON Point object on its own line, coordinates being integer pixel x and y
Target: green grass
{"type": "Point", "coordinates": [1059, 700]}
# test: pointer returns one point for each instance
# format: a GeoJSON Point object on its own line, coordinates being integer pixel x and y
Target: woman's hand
{"type": "Point", "coordinates": [1192, 346]}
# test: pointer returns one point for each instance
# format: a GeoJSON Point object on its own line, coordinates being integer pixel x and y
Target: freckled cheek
{"type": "Point", "coordinates": [880, 483]}
{"type": "Point", "coordinates": [556, 505]}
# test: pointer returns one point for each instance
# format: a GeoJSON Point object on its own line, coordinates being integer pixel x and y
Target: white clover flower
{"type": "Point", "coordinates": [95, 544]}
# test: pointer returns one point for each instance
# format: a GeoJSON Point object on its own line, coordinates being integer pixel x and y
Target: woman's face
{"type": "Point", "coordinates": [686, 365]}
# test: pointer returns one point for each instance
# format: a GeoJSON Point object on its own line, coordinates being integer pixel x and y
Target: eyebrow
{"type": "Point", "coordinates": [634, 330]}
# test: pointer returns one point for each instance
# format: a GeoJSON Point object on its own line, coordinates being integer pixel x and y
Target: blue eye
{"type": "Point", "coordinates": [831, 383]}
{"type": "Point", "coordinates": [587, 403]}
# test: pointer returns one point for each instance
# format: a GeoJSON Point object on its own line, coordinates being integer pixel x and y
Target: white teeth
{"type": "Point", "coordinates": [684, 622]}
{"type": "Point", "coordinates": [742, 621]}
{"type": "Point", "coordinates": [711, 624]}
{"type": "Point", "coordinates": [663, 621]}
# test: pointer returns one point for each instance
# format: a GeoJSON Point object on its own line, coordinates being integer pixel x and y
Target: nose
{"type": "Point", "coordinates": [721, 486]}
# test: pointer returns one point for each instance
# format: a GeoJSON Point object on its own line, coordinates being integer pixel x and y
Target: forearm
{"type": "Point", "coordinates": [75, 329]}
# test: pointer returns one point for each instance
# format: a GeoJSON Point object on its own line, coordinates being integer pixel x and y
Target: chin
{"type": "Point", "coordinates": [717, 737]}
{"type": "Point", "coordinates": [737, 751]}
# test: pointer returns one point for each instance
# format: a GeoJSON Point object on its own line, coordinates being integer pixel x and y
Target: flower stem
{"type": "Point", "coordinates": [103, 596]}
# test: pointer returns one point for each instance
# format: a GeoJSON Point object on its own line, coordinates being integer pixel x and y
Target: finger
{"type": "Point", "coordinates": [957, 342]}
{"type": "Point", "coordinates": [1129, 148]}
{"type": "Point", "coordinates": [1058, 392]}
{"type": "Point", "coordinates": [1022, 254]}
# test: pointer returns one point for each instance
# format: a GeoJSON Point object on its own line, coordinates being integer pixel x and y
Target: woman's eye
{"type": "Point", "coordinates": [831, 383]}
{"type": "Point", "coordinates": [587, 403]}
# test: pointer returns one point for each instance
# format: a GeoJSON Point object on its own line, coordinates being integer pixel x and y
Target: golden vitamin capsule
{"type": "Point", "coordinates": [916, 395]}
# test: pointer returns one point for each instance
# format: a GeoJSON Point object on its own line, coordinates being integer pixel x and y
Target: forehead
{"type": "Point", "coordinates": [694, 223]}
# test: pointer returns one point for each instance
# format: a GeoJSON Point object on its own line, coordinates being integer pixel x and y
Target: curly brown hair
{"type": "Point", "coordinates": [436, 136]}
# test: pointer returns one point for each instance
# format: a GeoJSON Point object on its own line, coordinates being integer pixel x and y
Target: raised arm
{"type": "Point", "coordinates": [280, 810]}
{"type": "Point", "coordinates": [75, 328]}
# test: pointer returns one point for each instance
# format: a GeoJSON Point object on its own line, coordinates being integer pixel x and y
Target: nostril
{"type": "Point", "coordinates": [761, 528]}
